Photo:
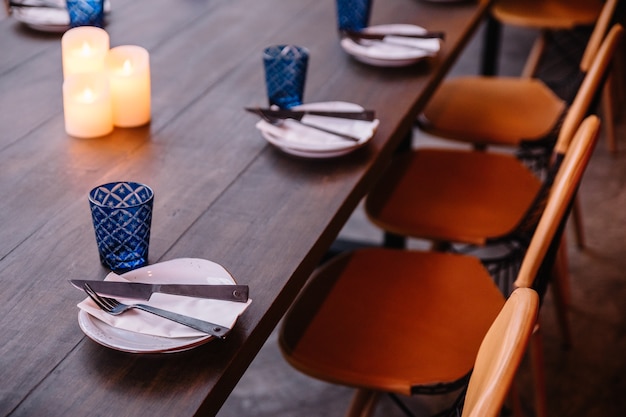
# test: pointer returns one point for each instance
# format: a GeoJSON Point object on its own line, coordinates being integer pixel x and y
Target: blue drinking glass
{"type": "Point", "coordinates": [86, 12]}
{"type": "Point", "coordinates": [285, 74]}
{"type": "Point", "coordinates": [122, 216]}
{"type": "Point", "coordinates": [353, 14]}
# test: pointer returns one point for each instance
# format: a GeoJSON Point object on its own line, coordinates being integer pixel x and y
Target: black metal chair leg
{"type": "Point", "coordinates": [394, 241]}
{"type": "Point", "coordinates": [491, 47]}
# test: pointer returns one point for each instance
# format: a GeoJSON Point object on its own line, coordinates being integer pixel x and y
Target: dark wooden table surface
{"type": "Point", "coordinates": [221, 192]}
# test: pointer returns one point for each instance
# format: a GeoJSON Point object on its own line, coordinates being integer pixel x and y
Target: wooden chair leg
{"type": "Point", "coordinates": [363, 403]}
{"type": "Point", "coordinates": [561, 308]}
{"type": "Point", "coordinates": [561, 271]}
{"type": "Point", "coordinates": [539, 379]}
{"type": "Point", "coordinates": [560, 288]}
{"type": "Point", "coordinates": [608, 114]}
{"type": "Point", "coordinates": [619, 70]}
{"type": "Point", "coordinates": [534, 58]}
{"type": "Point", "coordinates": [579, 231]}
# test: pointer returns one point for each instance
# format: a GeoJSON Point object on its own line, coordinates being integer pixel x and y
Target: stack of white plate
{"type": "Point", "coordinates": [296, 139]}
{"type": "Point", "coordinates": [52, 16]}
{"type": "Point", "coordinates": [396, 53]}
{"type": "Point", "coordinates": [140, 332]}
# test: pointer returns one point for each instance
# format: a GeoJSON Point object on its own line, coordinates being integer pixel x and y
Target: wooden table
{"type": "Point", "coordinates": [222, 193]}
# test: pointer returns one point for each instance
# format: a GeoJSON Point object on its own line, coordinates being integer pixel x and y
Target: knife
{"type": "Point", "coordinates": [367, 115]}
{"type": "Point", "coordinates": [381, 36]}
{"type": "Point", "coordinates": [143, 291]}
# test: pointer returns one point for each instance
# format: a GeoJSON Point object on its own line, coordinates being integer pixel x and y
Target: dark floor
{"type": "Point", "coordinates": [587, 380]}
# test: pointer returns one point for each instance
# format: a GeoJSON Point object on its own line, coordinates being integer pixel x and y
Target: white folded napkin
{"type": "Point", "coordinates": [60, 4]}
{"type": "Point", "coordinates": [295, 135]}
{"type": "Point", "coordinates": [394, 47]}
{"type": "Point", "coordinates": [428, 45]}
{"type": "Point", "coordinates": [220, 312]}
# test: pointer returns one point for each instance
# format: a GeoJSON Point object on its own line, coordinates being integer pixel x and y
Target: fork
{"type": "Point", "coordinates": [114, 308]}
{"type": "Point", "coordinates": [276, 121]}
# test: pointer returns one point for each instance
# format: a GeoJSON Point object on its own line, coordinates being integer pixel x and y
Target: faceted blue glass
{"type": "Point", "coordinates": [285, 74]}
{"type": "Point", "coordinates": [86, 12]}
{"type": "Point", "coordinates": [122, 216]}
{"type": "Point", "coordinates": [353, 14]}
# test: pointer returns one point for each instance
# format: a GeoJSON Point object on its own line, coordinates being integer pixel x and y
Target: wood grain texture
{"type": "Point", "coordinates": [221, 193]}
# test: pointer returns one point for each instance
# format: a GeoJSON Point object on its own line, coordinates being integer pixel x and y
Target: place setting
{"type": "Point", "coordinates": [165, 307]}
{"type": "Point", "coordinates": [388, 45]}
{"type": "Point", "coordinates": [312, 130]}
{"type": "Point", "coordinates": [57, 16]}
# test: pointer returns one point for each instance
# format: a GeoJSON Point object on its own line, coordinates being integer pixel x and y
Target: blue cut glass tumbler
{"type": "Point", "coordinates": [353, 14]}
{"type": "Point", "coordinates": [285, 74]}
{"type": "Point", "coordinates": [86, 13]}
{"type": "Point", "coordinates": [122, 216]}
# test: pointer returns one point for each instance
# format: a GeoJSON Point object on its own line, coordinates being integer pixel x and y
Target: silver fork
{"type": "Point", "coordinates": [276, 121]}
{"type": "Point", "coordinates": [114, 307]}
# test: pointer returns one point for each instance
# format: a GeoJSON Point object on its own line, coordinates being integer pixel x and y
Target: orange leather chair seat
{"type": "Point", "coordinates": [450, 195]}
{"type": "Point", "coordinates": [547, 14]}
{"type": "Point", "coordinates": [394, 320]}
{"type": "Point", "coordinates": [492, 110]}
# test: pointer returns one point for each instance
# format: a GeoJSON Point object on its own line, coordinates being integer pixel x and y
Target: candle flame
{"type": "Point", "coordinates": [86, 49]}
{"type": "Point", "coordinates": [87, 96]}
{"type": "Point", "coordinates": [127, 68]}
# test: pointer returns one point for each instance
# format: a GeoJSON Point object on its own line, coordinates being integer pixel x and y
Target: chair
{"type": "Point", "coordinates": [500, 354]}
{"type": "Point", "coordinates": [505, 111]}
{"type": "Point", "coordinates": [553, 19]}
{"type": "Point", "coordinates": [545, 15]}
{"type": "Point", "coordinates": [482, 199]}
{"type": "Point", "coordinates": [407, 322]}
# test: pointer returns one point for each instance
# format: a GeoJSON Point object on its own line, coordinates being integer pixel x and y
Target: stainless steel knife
{"type": "Point", "coordinates": [143, 291]}
{"type": "Point", "coordinates": [381, 36]}
{"type": "Point", "coordinates": [367, 115]}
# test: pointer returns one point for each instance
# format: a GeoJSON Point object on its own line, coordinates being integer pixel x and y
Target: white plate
{"type": "Point", "coordinates": [188, 270]}
{"type": "Point", "coordinates": [48, 19]}
{"type": "Point", "coordinates": [384, 54]}
{"type": "Point", "coordinates": [329, 149]}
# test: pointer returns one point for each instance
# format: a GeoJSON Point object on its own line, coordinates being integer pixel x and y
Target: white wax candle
{"type": "Point", "coordinates": [129, 73]}
{"type": "Point", "coordinates": [84, 49]}
{"type": "Point", "coordinates": [87, 105]}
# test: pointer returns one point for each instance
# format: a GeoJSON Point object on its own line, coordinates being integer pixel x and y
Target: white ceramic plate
{"type": "Point", "coordinates": [188, 270]}
{"type": "Point", "coordinates": [387, 55]}
{"type": "Point", "coordinates": [48, 19]}
{"type": "Point", "coordinates": [332, 149]}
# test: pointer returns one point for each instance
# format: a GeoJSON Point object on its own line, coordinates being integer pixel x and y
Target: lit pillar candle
{"type": "Point", "coordinates": [84, 49]}
{"type": "Point", "coordinates": [87, 105]}
{"type": "Point", "coordinates": [129, 74]}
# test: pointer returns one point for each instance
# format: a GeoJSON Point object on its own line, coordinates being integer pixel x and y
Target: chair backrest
{"type": "Point", "coordinates": [590, 87]}
{"type": "Point", "coordinates": [503, 346]}
{"type": "Point", "coordinates": [542, 249]}
{"type": "Point", "coordinates": [519, 240]}
{"type": "Point", "coordinates": [500, 354]}
{"type": "Point", "coordinates": [566, 84]}
{"type": "Point", "coordinates": [601, 27]}
{"type": "Point", "coordinates": [575, 115]}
